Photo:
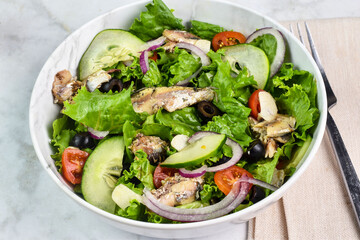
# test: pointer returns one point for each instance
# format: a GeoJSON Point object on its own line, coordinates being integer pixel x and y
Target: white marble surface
{"type": "Point", "coordinates": [31, 205]}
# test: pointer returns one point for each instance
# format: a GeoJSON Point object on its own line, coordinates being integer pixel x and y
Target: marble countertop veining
{"type": "Point", "coordinates": [31, 205]}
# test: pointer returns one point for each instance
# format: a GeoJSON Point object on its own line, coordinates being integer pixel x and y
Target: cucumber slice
{"type": "Point", "coordinates": [107, 48]}
{"type": "Point", "coordinates": [122, 196]}
{"type": "Point", "coordinates": [251, 57]}
{"type": "Point", "coordinates": [196, 152]}
{"type": "Point", "coordinates": [101, 171]}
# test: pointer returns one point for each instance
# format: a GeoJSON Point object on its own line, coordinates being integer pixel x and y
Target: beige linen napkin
{"type": "Point", "coordinates": [317, 205]}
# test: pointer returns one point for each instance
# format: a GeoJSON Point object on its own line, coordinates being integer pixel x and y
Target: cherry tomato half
{"type": "Point", "coordinates": [162, 173]}
{"type": "Point", "coordinates": [254, 103]}
{"type": "Point", "coordinates": [228, 38]}
{"type": "Point", "coordinates": [225, 179]}
{"type": "Point", "coordinates": [154, 56]}
{"type": "Point", "coordinates": [73, 160]}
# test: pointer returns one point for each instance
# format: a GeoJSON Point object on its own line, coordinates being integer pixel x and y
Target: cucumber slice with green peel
{"type": "Point", "coordinates": [101, 171]}
{"type": "Point", "coordinates": [107, 48]}
{"type": "Point", "coordinates": [196, 152]}
{"type": "Point", "coordinates": [251, 57]}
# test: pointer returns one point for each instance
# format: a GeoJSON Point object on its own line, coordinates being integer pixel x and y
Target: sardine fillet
{"type": "Point", "coordinates": [150, 100]}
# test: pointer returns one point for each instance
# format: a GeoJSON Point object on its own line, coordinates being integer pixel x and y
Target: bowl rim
{"type": "Point", "coordinates": [233, 216]}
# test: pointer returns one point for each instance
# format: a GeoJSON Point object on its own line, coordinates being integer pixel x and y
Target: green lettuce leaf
{"type": "Point", "coordinates": [153, 77]}
{"type": "Point", "coordinates": [154, 21]}
{"type": "Point", "coordinates": [141, 169]}
{"type": "Point", "coordinates": [205, 30]}
{"type": "Point", "coordinates": [135, 211]}
{"type": "Point", "coordinates": [156, 129]}
{"type": "Point", "coordinates": [210, 190]}
{"type": "Point", "coordinates": [264, 169]}
{"type": "Point", "coordinates": [186, 64]}
{"type": "Point", "coordinates": [296, 103]}
{"type": "Point", "coordinates": [129, 73]}
{"type": "Point", "coordinates": [183, 121]}
{"type": "Point", "coordinates": [268, 44]}
{"type": "Point", "coordinates": [102, 111]}
{"type": "Point", "coordinates": [232, 94]}
{"type": "Point", "coordinates": [63, 132]}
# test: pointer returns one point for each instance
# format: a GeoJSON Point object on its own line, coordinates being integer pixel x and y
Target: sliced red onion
{"type": "Point", "coordinates": [259, 183]}
{"type": "Point", "coordinates": [205, 60]}
{"type": "Point", "coordinates": [186, 81]}
{"type": "Point", "coordinates": [229, 203]}
{"type": "Point", "coordinates": [97, 134]}
{"type": "Point", "coordinates": [144, 61]}
{"type": "Point", "coordinates": [237, 151]}
{"type": "Point", "coordinates": [280, 49]}
{"type": "Point", "coordinates": [158, 41]}
{"type": "Point", "coordinates": [192, 174]}
{"type": "Point", "coordinates": [144, 57]}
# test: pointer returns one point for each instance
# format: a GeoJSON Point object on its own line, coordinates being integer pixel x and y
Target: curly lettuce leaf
{"type": "Point", "coordinates": [129, 73]}
{"type": "Point", "coordinates": [141, 169]}
{"type": "Point", "coordinates": [232, 94]}
{"type": "Point", "coordinates": [186, 64]}
{"type": "Point", "coordinates": [102, 111]}
{"type": "Point", "coordinates": [135, 211]}
{"type": "Point", "coordinates": [296, 103]}
{"type": "Point", "coordinates": [154, 21]}
{"type": "Point", "coordinates": [205, 30]}
{"type": "Point", "coordinates": [210, 190]}
{"type": "Point", "coordinates": [63, 132]}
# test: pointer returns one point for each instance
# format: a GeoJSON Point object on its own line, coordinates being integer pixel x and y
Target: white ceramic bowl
{"type": "Point", "coordinates": [67, 56]}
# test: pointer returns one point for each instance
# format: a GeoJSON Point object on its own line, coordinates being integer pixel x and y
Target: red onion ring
{"type": "Point", "coordinates": [237, 151]}
{"type": "Point", "coordinates": [237, 194]}
{"type": "Point", "coordinates": [144, 57]}
{"type": "Point", "coordinates": [259, 183]}
{"type": "Point", "coordinates": [192, 174]}
{"type": "Point", "coordinates": [205, 60]}
{"type": "Point", "coordinates": [280, 50]}
{"type": "Point", "coordinates": [97, 134]}
{"type": "Point", "coordinates": [158, 41]}
{"type": "Point", "coordinates": [144, 61]}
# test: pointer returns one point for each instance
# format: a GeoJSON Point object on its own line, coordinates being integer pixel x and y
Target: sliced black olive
{"type": "Point", "coordinates": [207, 110]}
{"type": "Point", "coordinates": [82, 140]}
{"type": "Point", "coordinates": [256, 151]}
{"type": "Point", "coordinates": [257, 194]}
{"type": "Point", "coordinates": [115, 85]}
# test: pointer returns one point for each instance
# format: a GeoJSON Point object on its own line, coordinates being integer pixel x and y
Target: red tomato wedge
{"type": "Point", "coordinates": [254, 103]}
{"type": "Point", "coordinates": [228, 38]}
{"type": "Point", "coordinates": [73, 161]}
{"type": "Point", "coordinates": [225, 179]}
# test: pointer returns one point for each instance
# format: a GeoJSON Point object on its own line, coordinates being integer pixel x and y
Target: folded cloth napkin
{"type": "Point", "coordinates": [317, 206]}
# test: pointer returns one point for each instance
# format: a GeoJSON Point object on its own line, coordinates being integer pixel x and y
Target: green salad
{"type": "Point", "coordinates": [168, 124]}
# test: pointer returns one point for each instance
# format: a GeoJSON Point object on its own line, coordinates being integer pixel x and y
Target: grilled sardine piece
{"type": "Point", "coordinates": [278, 127]}
{"type": "Point", "coordinates": [64, 86]}
{"type": "Point", "coordinates": [153, 146]}
{"type": "Point", "coordinates": [175, 36]}
{"type": "Point", "coordinates": [179, 190]}
{"type": "Point", "coordinates": [150, 100]}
